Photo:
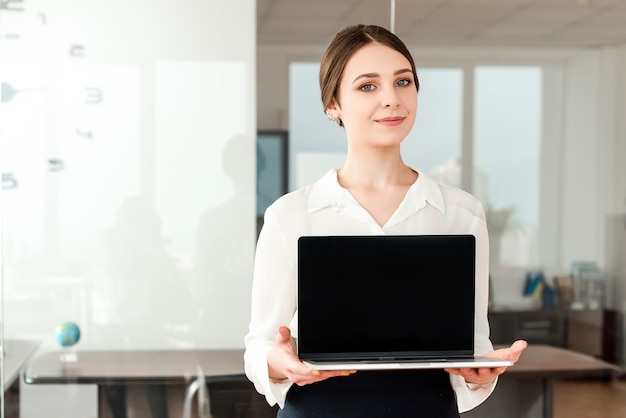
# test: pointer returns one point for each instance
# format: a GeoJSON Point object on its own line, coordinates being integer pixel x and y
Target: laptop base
{"type": "Point", "coordinates": [476, 362]}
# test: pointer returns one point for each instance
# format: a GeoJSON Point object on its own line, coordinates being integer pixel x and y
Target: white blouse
{"type": "Point", "coordinates": [326, 208]}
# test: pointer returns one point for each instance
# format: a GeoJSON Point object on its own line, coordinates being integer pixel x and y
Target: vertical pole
{"type": "Point", "coordinates": [392, 17]}
{"type": "Point", "coordinates": [467, 153]}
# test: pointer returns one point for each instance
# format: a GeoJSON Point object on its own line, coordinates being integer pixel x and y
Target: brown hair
{"type": "Point", "coordinates": [341, 49]}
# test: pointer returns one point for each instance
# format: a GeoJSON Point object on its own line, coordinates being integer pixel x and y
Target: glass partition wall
{"type": "Point", "coordinates": [127, 151]}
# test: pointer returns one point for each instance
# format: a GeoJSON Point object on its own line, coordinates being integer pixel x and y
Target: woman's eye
{"type": "Point", "coordinates": [404, 82]}
{"type": "Point", "coordinates": [367, 87]}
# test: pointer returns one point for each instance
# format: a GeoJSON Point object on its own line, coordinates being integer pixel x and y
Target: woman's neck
{"type": "Point", "coordinates": [376, 172]}
{"type": "Point", "coordinates": [379, 186]}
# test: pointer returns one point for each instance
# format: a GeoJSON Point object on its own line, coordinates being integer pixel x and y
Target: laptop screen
{"type": "Point", "coordinates": [376, 296]}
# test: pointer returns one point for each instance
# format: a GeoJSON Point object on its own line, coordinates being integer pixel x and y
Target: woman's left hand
{"type": "Point", "coordinates": [484, 374]}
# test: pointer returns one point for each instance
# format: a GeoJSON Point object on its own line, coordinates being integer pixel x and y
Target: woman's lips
{"type": "Point", "coordinates": [390, 121]}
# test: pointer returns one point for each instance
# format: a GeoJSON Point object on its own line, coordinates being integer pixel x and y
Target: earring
{"type": "Point", "coordinates": [330, 117]}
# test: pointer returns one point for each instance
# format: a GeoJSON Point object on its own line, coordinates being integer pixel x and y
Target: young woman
{"type": "Point", "coordinates": [369, 86]}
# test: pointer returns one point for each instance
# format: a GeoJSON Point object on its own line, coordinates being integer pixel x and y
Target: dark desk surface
{"type": "Point", "coordinates": [142, 365]}
{"type": "Point", "coordinates": [16, 354]}
{"type": "Point", "coordinates": [555, 362]}
{"type": "Point", "coordinates": [182, 365]}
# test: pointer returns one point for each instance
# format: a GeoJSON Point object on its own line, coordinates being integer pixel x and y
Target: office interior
{"type": "Point", "coordinates": [129, 149]}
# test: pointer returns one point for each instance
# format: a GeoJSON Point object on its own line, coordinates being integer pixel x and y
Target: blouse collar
{"type": "Point", "coordinates": [327, 192]}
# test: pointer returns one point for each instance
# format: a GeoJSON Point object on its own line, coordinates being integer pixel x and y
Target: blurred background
{"type": "Point", "coordinates": [140, 143]}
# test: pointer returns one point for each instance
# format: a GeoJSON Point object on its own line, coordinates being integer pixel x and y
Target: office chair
{"type": "Point", "coordinates": [226, 397]}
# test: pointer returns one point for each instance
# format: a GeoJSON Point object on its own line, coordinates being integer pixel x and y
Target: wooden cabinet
{"type": "Point", "coordinates": [534, 326]}
{"type": "Point", "coordinates": [594, 333]}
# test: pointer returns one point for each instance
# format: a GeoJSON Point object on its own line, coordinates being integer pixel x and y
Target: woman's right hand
{"type": "Point", "coordinates": [283, 363]}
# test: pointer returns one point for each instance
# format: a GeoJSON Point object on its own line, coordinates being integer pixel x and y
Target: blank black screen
{"type": "Point", "coordinates": [372, 296]}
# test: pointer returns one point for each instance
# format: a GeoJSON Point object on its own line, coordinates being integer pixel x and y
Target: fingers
{"type": "Point", "coordinates": [515, 350]}
{"type": "Point", "coordinates": [283, 337]}
{"type": "Point", "coordinates": [485, 375]}
{"type": "Point", "coordinates": [510, 353]}
{"type": "Point", "coordinates": [284, 332]}
{"type": "Point", "coordinates": [478, 375]}
{"type": "Point", "coordinates": [332, 373]}
{"type": "Point", "coordinates": [519, 346]}
{"type": "Point", "coordinates": [284, 363]}
{"type": "Point", "coordinates": [313, 376]}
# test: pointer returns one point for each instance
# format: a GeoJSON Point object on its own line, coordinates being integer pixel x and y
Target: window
{"type": "Point", "coordinates": [505, 143]}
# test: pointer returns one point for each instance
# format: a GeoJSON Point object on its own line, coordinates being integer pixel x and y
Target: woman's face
{"type": "Point", "coordinates": [377, 97]}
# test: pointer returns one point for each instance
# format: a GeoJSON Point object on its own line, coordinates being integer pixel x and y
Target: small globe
{"type": "Point", "coordinates": [67, 334]}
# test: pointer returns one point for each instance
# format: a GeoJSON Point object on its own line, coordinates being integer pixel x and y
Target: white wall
{"type": "Point", "coordinates": [615, 220]}
{"type": "Point", "coordinates": [582, 153]}
{"type": "Point", "coordinates": [273, 81]}
{"type": "Point", "coordinates": [594, 192]}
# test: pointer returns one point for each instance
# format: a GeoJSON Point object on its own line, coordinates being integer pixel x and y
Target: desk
{"type": "Point", "coordinates": [156, 366]}
{"type": "Point", "coordinates": [16, 354]}
{"type": "Point", "coordinates": [525, 388]}
{"type": "Point", "coordinates": [173, 369]}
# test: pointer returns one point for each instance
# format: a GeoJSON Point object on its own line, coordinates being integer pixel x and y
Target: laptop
{"type": "Point", "coordinates": [387, 302]}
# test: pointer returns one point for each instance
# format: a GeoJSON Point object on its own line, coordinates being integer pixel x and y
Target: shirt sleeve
{"type": "Point", "coordinates": [470, 395]}
{"type": "Point", "coordinates": [273, 305]}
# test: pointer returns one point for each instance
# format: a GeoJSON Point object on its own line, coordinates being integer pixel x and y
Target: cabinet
{"type": "Point", "coordinates": [594, 333]}
{"type": "Point", "coordinates": [534, 326]}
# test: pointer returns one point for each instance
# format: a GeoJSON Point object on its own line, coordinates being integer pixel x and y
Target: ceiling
{"type": "Point", "coordinates": [484, 23]}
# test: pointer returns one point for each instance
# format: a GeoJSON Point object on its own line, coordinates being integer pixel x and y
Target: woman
{"type": "Point", "coordinates": [369, 86]}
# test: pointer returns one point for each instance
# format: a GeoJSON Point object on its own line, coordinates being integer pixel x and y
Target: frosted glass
{"type": "Point", "coordinates": [127, 141]}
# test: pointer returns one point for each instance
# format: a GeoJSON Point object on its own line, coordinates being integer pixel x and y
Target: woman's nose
{"type": "Point", "coordinates": [390, 99]}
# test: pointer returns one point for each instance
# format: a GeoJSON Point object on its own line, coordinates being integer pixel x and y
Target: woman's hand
{"type": "Point", "coordinates": [283, 363]}
{"type": "Point", "coordinates": [484, 374]}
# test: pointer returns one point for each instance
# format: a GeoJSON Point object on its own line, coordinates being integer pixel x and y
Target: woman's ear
{"type": "Point", "coordinates": [333, 105]}
{"type": "Point", "coordinates": [332, 111]}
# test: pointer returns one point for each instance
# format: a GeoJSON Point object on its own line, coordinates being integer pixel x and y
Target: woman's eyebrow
{"type": "Point", "coordinates": [374, 75]}
{"type": "Point", "coordinates": [402, 71]}
{"type": "Point", "coordinates": [368, 75]}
